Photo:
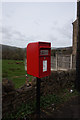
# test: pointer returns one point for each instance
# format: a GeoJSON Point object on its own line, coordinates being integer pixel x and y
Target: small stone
{"type": "Point", "coordinates": [52, 104]}
{"type": "Point", "coordinates": [27, 84]}
{"type": "Point", "coordinates": [53, 109]}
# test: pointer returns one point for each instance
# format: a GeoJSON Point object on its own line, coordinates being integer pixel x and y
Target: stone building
{"type": "Point", "coordinates": [74, 37]}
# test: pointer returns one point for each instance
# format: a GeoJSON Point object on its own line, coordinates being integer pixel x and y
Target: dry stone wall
{"type": "Point", "coordinates": [12, 99]}
{"type": "Point", "coordinates": [58, 81]}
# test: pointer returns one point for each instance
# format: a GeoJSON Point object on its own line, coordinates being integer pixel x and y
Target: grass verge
{"type": "Point", "coordinates": [15, 70]}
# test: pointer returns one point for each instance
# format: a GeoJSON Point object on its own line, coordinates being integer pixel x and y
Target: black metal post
{"type": "Point", "coordinates": [38, 98]}
{"type": "Point", "coordinates": [78, 49]}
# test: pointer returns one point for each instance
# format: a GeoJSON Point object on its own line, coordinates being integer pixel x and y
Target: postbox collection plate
{"type": "Point", "coordinates": [44, 65]}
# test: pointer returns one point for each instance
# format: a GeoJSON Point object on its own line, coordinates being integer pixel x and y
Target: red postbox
{"type": "Point", "coordinates": [39, 59]}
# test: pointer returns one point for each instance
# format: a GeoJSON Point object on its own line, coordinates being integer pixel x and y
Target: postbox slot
{"type": "Point", "coordinates": [44, 44]}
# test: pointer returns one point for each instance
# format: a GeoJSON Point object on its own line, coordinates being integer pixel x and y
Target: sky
{"type": "Point", "coordinates": [24, 22]}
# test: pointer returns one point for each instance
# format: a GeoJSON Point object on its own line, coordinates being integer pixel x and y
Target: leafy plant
{"type": "Point", "coordinates": [26, 109]}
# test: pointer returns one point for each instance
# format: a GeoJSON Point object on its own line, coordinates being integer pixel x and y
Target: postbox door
{"type": "Point", "coordinates": [44, 65]}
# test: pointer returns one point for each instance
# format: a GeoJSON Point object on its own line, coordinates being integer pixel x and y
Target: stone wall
{"type": "Point", "coordinates": [58, 81]}
{"type": "Point", "coordinates": [14, 98]}
{"type": "Point", "coordinates": [11, 99]}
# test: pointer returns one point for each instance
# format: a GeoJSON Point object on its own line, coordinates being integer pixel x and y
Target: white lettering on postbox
{"type": "Point", "coordinates": [44, 65]}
